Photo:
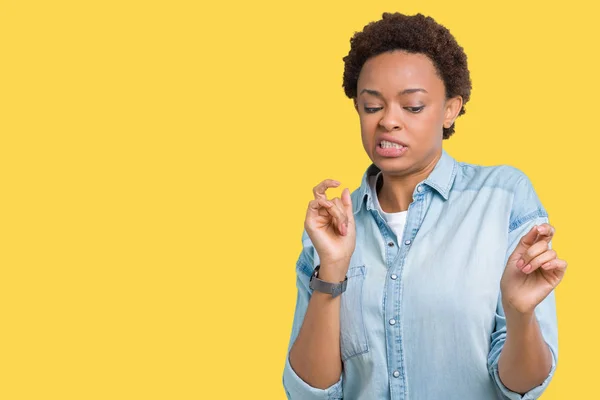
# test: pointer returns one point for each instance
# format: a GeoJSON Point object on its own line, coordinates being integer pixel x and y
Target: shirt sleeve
{"type": "Point", "coordinates": [295, 387]}
{"type": "Point", "coordinates": [527, 211]}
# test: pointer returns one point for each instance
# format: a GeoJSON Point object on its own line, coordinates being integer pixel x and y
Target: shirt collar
{"type": "Point", "coordinates": [440, 179]}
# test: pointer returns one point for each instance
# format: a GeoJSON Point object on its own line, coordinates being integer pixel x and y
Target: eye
{"type": "Point", "coordinates": [415, 110]}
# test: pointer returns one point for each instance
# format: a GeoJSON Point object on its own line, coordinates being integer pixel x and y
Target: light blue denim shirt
{"type": "Point", "coordinates": [422, 317]}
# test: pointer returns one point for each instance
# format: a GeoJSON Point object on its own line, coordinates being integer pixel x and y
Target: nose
{"type": "Point", "coordinates": [391, 119]}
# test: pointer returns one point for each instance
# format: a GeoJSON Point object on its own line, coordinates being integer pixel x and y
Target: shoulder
{"type": "Point", "coordinates": [515, 186]}
{"type": "Point", "coordinates": [503, 177]}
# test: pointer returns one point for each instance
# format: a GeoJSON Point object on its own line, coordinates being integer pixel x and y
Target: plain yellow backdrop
{"type": "Point", "coordinates": [157, 158]}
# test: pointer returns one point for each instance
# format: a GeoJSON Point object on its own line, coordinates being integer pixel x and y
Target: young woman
{"type": "Point", "coordinates": [435, 278]}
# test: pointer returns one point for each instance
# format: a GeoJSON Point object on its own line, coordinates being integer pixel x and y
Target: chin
{"type": "Point", "coordinates": [393, 165]}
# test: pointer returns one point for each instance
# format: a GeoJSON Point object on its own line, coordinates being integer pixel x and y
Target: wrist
{"type": "Point", "coordinates": [333, 272]}
{"type": "Point", "coordinates": [515, 317]}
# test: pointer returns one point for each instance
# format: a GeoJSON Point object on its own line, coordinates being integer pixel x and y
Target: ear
{"type": "Point", "coordinates": [355, 104]}
{"type": "Point", "coordinates": [452, 108]}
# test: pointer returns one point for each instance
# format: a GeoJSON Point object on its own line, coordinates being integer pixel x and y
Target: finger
{"type": "Point", "coordinates": [538, 261]}
{"type": "Point", "coordinates": [556, 264]}
{"type": "Point", "coordinates": [313, 207]}
{"type": "Point", "coordinates": [321, 188]}
{"type": "Point", "coordinates": [347, 202]}
{"type": "Point", "coordinates": [343, 220]}
{"type": "Point", "coordinates": [323, 208]}
{"type": "Point", "coordinates": [317, 206]}
{"type": "Point", "coordinates": [332, 210]}
{"type": "Point", "coordinates": [545, 232]}
{"type": "Point", "coordinates": [323, 212]}
{"type": "Point", "coordinates": [532, 252]}
{"type": "Point", "coordinates": [525, 243]}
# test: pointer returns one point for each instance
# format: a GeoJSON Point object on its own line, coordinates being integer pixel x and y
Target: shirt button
{"type": "Point", "coordinates": [407, 242]}
{"type": "Point", "coordinates": [394, 277]}
{"type": "Point", "coordinates": [392, 321]}
{"type": "Point", "coordinates": [391, 244]}
{"type": "Point", "coordinates": [396, 374]}
{"type": "Point", "coordinates": [419, 188]}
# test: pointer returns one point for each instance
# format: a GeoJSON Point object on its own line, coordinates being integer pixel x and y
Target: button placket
{"type": "Point", "coordinates": [392, 309]}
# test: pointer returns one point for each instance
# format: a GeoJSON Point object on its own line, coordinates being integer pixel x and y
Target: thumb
{"type": "Point", "coordinates": [347, 202]}
{"type": "Point", "coordinates": [525, 243]}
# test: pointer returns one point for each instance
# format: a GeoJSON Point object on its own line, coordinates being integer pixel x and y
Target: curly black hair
{"type": "Point", "coordinates": [413, 34]}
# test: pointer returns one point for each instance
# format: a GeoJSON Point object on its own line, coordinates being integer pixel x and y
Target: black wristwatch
{"type": "Point", "coordinates": [335, 289]}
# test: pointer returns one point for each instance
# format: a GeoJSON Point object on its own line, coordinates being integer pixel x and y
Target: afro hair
{"type": "Point", "coordinates": [413, 34]}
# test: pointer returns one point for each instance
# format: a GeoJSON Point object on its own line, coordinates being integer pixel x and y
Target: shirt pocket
{"type": "Point", "coordinates": [353, 334]}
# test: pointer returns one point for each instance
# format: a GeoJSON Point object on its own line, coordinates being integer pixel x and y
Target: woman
{"type": "Point", "coordinates": [435, 279]}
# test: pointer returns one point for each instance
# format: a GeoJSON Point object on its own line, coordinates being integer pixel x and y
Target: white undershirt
{"type": "Point", "coordinates": [396, 220]}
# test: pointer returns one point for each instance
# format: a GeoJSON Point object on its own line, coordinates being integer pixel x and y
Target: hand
{"type": "Point", "coordinates": [532, 271]}
{"type": "Point", "coordinates": [330, 226]}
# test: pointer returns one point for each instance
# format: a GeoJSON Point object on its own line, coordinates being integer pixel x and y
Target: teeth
{"type": "Point", "coordinates": [385, 144]}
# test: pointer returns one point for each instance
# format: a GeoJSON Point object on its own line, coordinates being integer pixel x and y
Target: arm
{"type": "Point", "coordinates": [313, 367]}
{"type": "Point", "coordinates": [522, 352]}
{"type": "Point", "coordinates": [524, 345]}
{"type": "Point", "coordinates": [525, 360]}
{"type": "Point", "coordinates": [315, 355]}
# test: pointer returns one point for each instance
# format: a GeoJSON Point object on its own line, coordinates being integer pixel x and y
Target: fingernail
{"type": "Point", "coordinates": [540, 229]}
{"type": "Point", "coordinates": [547, 265]}
{"type": "Point", "coordinates": [520, 263]}
{"type": "Point", "coordinates": [527, 268]}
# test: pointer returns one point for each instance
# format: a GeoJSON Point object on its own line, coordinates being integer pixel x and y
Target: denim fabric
{"type": "Point", "coordinates": [422, 316]}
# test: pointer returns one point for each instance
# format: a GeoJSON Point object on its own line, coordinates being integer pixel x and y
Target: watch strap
{"type": "Point", "coordinates": [335, 289]}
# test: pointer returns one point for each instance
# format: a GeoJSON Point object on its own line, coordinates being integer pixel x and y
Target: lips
{"type": "Point", "coordinates": [389, 138]}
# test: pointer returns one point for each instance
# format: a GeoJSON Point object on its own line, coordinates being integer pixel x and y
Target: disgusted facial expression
{"type": "Point", "coordinates": [402, 106]}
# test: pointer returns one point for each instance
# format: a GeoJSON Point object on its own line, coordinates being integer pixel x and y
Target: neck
{"type": "Point", "coordinates": [396, 193]}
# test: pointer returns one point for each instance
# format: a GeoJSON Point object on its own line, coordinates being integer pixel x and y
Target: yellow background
{"type": "Point", "coordinates": [157, 158]}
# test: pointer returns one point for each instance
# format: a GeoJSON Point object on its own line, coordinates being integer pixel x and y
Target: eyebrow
{"type": "Point", "coordinates": [402, 93]}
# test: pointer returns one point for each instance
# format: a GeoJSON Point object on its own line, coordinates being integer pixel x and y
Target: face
{"type": "Point", "coordinates": [400, 98]}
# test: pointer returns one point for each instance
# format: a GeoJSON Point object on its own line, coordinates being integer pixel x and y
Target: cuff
{"type": "Point", "coordinates": [296, 388]}
{"type": "Point", "coordinates": [534, 393]}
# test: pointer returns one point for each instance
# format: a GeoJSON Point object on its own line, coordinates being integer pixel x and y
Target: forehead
{"type": "Point", "coordinates": [397, 70]}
